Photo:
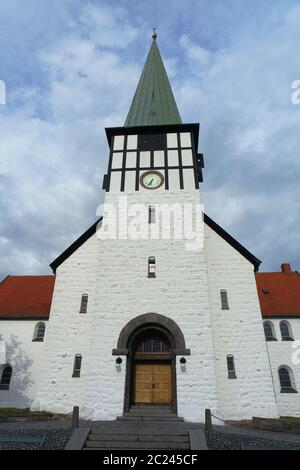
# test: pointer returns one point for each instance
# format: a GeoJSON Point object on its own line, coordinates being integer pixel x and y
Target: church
{"type": "Point", "coordinates": [155, 308]}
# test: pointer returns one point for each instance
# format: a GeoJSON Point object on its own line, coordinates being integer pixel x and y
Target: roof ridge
{"type": "Point", "coordinates": [278, 272]}
{"type": "Point", "coordinates": [26, 275]}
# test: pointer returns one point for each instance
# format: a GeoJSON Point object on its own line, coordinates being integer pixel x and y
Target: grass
{"type": "Point", "coordinates": [290, 419]}
{"type": "Point", "coordinates": [12, 412]}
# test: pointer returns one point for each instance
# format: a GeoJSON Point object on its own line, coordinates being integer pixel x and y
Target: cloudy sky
{"type": "Point", "coordinates": [71, 68]}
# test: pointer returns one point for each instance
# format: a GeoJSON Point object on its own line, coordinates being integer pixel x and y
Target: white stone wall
{"type": "Point", "coordinates": [24, 356]}
{"type": "Point", "coordinates": [124, 291]}
{"type": "Point", "coordinates": [68, 333]}
{"type": "Point", "coordinates": [284, 353]}
{"type": "Point", "coordinates": [238, 331]}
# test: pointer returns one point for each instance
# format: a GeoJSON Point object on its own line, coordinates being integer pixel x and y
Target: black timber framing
{"type": "Point", "coordinates": [161, 129]}
{"type": "Point", "coordinates": [153, 132]}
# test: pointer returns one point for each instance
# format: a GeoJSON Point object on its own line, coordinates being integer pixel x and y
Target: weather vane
{"type": "Point", "coordinates": [154, 35]}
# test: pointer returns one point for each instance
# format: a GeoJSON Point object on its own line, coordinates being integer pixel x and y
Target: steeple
{"type": "Point", "coordinates": [153, 102]}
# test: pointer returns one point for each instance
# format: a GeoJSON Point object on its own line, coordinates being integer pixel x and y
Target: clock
{"type": "Point", "coordinates": [152, 179]}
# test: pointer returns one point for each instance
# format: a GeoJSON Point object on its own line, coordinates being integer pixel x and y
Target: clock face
{"type": "Point", "coordinates": [152, 179]}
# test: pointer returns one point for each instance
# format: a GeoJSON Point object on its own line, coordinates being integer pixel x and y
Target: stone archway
{"type": "Point", "coordinates": [125, 346]}
{"type": "Point", "coordinates": [146, 320]}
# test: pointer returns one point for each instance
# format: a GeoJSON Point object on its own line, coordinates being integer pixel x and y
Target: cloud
{"type": "Point", "coordinates": [197, 55]}
{"type": "Point", "coordinates": [108, 27]}
{"type": "Point", "coordinates": [53, 149]}
{"type": "Point", "coordinates": [250, 136]}
{"type": "Point", "coordinates": [73, 71]}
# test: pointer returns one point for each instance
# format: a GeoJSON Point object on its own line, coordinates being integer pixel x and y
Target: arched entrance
{"type": "Point", "coordinates": [151, 343]}
{"type": "Point", "coordinates": [152, 368]}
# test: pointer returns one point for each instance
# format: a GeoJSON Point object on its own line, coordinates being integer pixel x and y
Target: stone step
{"type": "Point", "coordinates": [146, 412]}
{"type": "Point", "coordinates": [137, 438]}
{"type": "Point", "coordinates": [168, 430]}
{"type": "Point", "coordinates": [157, 417]}
{"type": "Point", "coordinates": [136, 445]}
{"type": "Point", "coordinates": [150, 407]}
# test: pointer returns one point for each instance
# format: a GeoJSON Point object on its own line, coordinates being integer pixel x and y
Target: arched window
{"type": "Point", "coordinates": [6, 378]}
{"type": "Point", "coordinates": [286, 331]}
{"type": "Point", "coordinates": [224, 300]}
{"type": "Point", "coordinates": [231, 367]}
{"type": "Point", "coordinates": [152, 342]}
{"type": "Point", "coordinates": [39, 332]}
{"type": "Point", "coordinates": [286, 378]}
{"type": "Point", "coordinates": [151, 266]}
{"type": "Point", "coordinates": [84, 303]}
{"type": "Point", "coordinates": [269, 331]}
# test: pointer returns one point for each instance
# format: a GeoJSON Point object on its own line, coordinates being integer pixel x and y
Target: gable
{"type": "Point", "coordinates": [232, 241]}
{"type": "Point", "coordinates": [74, 246]}
{"type": "Point", "coordinates": [207, 220]}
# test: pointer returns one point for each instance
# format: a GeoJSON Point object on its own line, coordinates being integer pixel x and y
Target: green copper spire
{"type": "Point", "coordinates": [153, 102]}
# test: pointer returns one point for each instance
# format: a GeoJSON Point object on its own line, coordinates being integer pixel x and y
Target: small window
{"type": "Point", "coordinates": [151, 267]}
{"type": "Point", "coordinates": [269, 331]}
{"type": "Point", "coordinates": [286, 331]}
{"type": "Point", "coordinates": [224, 300]}
{"type": "Point", "coordinates": [286, 379]}
{"type": "Point", "coordinates": [39, 332]}
{"type": "Point", "coordinates": [77, 365]}
{"type": "Point", "coordinates": [84, 303]}
{"type": "Point", "coordinates": [151, 215]}
{"type": "Point", "coordinates": [6, 378]}
{"type": "Point", "coordinates": [231, 367]}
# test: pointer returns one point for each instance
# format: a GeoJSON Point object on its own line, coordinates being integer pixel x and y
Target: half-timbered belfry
{"type": "Point", "coordinates": [146, 318]}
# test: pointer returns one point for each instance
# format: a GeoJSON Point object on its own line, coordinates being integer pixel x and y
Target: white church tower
{"type": "Point", "coordinates": [144, 321]}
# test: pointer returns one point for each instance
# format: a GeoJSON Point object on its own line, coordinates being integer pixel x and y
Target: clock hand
{"type": "Point", "coordinates": [151, 182]}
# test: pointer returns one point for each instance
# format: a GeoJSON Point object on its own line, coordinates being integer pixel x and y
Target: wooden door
{"type": "Point", "coordinates": [161, 379]}
{"type": "Point", "coordinates": [153, 383]}
{"type": "Point", "coordinates": [143, 383]}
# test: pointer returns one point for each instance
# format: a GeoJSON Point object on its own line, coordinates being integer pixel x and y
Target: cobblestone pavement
{"type": "Point", "coordinates": [234, 438]}
{"type": "Point", "coordinates": [57, 434]}
{"type": "Point", "coordinates": [221, 438]}
{"type": "Point", "coordinates": [234, 441]}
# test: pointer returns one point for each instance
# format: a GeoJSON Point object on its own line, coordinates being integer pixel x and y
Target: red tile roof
{"type": "Point", "coordinates": [26, 296]}
{"type": "Point", "coordinates": [279, 292]}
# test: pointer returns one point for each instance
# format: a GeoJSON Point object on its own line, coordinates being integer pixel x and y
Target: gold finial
{"type": "Point", "coordinates": [154, 35]}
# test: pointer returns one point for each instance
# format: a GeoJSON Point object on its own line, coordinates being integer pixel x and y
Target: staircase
{"type": "Point", "coordinates": [150, 413]}
{"type": "Point", "coordinates": [134, 436]}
